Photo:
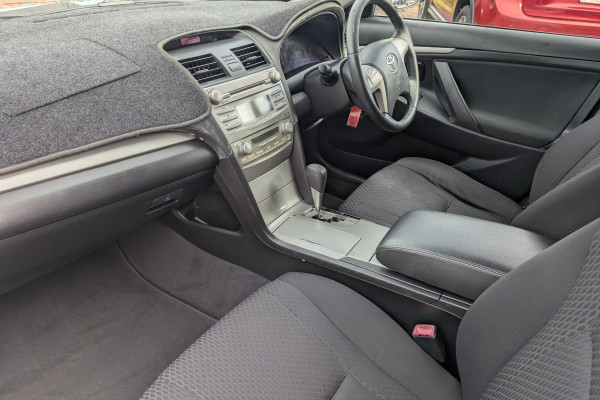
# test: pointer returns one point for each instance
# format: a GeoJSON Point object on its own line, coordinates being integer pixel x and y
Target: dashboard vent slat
{"type": "Point", "coordinates": [250, 56]}
{"type": "Point", "coordinates": [204, 68]}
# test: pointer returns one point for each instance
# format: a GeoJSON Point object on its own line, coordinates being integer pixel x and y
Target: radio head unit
{"type": "Point", "coordinates": [254, 113]}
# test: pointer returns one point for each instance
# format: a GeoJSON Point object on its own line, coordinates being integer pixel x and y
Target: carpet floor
{"type": "Point", "coordinates": [91, 330]}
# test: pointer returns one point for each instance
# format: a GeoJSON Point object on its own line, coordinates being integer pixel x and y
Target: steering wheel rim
{"type": "Point", "coordinates": [384, 70]}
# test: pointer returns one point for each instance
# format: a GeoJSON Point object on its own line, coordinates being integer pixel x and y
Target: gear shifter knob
{"type": "Point", "coordinates": [317, 178]}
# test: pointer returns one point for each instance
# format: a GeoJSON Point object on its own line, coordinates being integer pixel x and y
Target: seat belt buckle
{"type": "Point", "coordinates": [430, 340]}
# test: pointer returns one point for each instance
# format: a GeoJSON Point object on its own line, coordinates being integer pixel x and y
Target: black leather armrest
{"type": "Point", "coordinates": [459, 254]}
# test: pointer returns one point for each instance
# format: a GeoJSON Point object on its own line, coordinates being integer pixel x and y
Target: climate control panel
{"type": "Point", "coordinates": [256, 146]}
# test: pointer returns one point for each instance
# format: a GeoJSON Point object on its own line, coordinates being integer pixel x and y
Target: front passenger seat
{"type": "Point", "coordinates": [534, 334]}
{"type": "Point", "coordinates": [563, 197]}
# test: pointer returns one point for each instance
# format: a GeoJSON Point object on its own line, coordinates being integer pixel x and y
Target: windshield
{"type": "Point", "coordinates": [17, 8]}
{"type": "Point", "coordinates": [9, 5]}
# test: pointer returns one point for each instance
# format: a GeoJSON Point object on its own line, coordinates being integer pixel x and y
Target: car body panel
{"type": "Point", "coordinates": [572, 17]}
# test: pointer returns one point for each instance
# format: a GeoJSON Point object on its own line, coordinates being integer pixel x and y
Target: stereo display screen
{"type": "Point", "coordinates": [254, 109]}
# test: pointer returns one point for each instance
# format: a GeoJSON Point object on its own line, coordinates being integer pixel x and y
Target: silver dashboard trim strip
{"type": "Point", "coordinates": [434, 50]}
{"type": "Point", "coordinates": [110, 153]}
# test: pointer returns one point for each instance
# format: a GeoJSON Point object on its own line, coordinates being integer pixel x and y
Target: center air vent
{"type": "Point", "coordinates": [250, 56]}
{"type": "Point", "coordinates": [204, 68]}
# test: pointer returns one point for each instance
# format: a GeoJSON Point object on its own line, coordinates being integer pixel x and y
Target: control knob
{"type": "Point", "coordinates": [329, 76]}
{"type": "Point", "coordinates": [286, 128]}
{"type": "Point", "coordinates": [246, 148]}
{"type": "Point", "coordinates": [275, 76]}
{"type": "Point", "coordinates": [215, 96]}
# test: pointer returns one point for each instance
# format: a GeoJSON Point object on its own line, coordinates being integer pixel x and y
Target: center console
{"type": "Point", "coordinates": [256, 117]}
{"type": "Point", "coordinates": [251, 107]}
{"type": "Point", "coordinates": [460, 254]}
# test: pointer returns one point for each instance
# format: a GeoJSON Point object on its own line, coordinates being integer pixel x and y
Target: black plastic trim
{"type": "Point", "coordinates": [51, 201]}
{"type": "Point", "coordinates": [450, 97]}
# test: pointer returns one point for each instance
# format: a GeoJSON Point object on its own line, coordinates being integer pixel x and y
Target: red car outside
{"type": "Point", "coordinates": [573, 17]}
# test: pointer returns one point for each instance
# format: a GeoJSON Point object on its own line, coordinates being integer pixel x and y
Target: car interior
{"type": "Point", "coordinates": [304, 199]}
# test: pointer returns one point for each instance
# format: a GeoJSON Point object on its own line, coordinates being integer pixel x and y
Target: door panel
{"type": "Point", "coordinates": [524, 104]}
{"type": "Point", "coordinates": [491, 101]}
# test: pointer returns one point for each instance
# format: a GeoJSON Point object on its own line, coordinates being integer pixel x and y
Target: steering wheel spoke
{"type": "Point", "coordinates": [376, 84]}
{"type": "Point", "coordinates": [402, 47]}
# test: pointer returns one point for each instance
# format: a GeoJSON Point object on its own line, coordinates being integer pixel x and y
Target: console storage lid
{"type": "Point", "coordinates": [459, 254]}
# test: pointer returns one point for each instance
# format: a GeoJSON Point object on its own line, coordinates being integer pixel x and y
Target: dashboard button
{"type": "Point", "coordinates": [229, 117]}
{"type": "Point", "coordinates": [274, 76]}
{"type": "Point", "coordinates": [215, 96]}
{"type": "Point", "coordinates": [224, 110]}
{"type": "Point", "coordinates": [233, 67]}
{"type": "Point", "coordinates": [286, 128]}
{"type": "Point", "coordinates": [246, 148]}
{"type": "Point", "coordinates": [232, 125]}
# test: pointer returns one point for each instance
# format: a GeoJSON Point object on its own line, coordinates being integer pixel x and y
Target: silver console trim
{"type": "Point", "coordinates": [369, 233]}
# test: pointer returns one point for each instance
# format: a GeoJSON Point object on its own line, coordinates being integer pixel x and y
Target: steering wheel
{"type": "Point", "coordinates": [383, 71]}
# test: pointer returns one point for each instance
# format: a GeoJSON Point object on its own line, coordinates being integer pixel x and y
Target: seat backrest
{"type": "Point", "coordinates": [564, 194]}
{"type": "Point", "coordinates": [568, 157]}
{"type": "Point", "coordinates": [535, 333]}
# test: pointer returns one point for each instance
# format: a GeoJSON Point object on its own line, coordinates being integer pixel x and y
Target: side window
{"type": "Point", "coordinates": [571, 17]}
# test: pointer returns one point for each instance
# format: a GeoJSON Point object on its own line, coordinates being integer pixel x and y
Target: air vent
{"type": "Point", "coordinates": [250, 56]}
{"type": "Point", "coordinates": [204, 68]}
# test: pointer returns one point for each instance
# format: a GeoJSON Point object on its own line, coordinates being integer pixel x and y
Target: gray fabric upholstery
{"type": "Point", "coordinates": [564, 191]}
{"type": "Point", "coordinates": [561, 360]}
{"type": "Point", "coordinates": [566, 208]}
{"type": "Point", "coordinates": [563, 196]}
{"type": "Point", "coordinates": [567, 157]}
{"type": "Point", "coordinates": [511, 317]}
{"type": "Point", "coordinates": [533, 335]}
{"type": "Point", "coordinates": [420, 184]}
{"type": "Point", "coordinates": [377, 336]}
{"type": "Point", "coordinates": [590, 160]}
{"type": "Point", "coordinates": [295, 339]}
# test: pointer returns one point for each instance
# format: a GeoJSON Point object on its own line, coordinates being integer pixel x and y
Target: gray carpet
{"type": "Point", "coordinates": [178, 267]}
{"type": "Point", "coordinates": [91, 330]}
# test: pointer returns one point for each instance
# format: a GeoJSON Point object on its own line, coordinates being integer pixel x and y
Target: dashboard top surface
{"type": "Point", "coordinates": [96, 76]}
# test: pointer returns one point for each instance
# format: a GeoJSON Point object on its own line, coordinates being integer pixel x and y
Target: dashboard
{"type": "Point", "coordinates": [299, 51]}
{"type": "Point", "coordinates": [159, 103]}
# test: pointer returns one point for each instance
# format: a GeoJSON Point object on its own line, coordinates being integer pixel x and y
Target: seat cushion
{"type": "Point", "coordinates": [420, 184]}
{"type": "Point", "coordinates": [305, 337]}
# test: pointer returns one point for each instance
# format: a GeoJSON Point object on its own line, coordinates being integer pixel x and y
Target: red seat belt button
{"type": "Point", "coordinates": [424, 330]}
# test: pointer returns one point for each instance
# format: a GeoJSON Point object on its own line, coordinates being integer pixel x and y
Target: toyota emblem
{"type": "Point", "coordinates": [392, 62]}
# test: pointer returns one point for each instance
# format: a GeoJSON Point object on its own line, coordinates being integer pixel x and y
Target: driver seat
{"type": "Point", "coordinates": [564, 195]}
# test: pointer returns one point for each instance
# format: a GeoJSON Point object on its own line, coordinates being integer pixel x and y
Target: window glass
{"type": "Point", "coordinates": [572, 17]}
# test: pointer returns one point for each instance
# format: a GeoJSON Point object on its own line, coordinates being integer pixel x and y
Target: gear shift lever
{"type": "Point", "coordinates": [317, 177]}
